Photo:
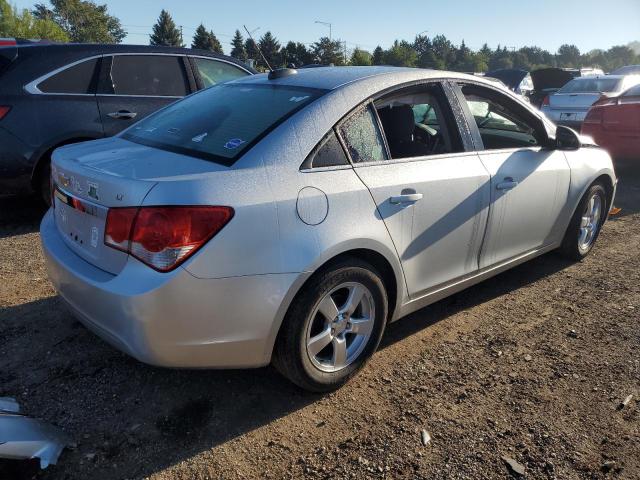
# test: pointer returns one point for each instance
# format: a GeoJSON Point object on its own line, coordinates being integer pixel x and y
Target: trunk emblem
{"type": "Point", "coordinates": [64, 180]}
{"type": "Point", "coordinates": [93, 190]}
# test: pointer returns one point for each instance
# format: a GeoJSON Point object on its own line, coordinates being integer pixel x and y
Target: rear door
{"type": "Point", "coordinates": [134, 86]}
{"type": "Point", "coordinates": [529, 183]}
{"type": "Point", "coordinates": [432, 194]}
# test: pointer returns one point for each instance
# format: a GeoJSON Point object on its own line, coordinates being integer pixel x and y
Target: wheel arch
{"type": "Point", "coordinates": [392, 278]}
{"type": "Point", "coordinates": [44, 155]}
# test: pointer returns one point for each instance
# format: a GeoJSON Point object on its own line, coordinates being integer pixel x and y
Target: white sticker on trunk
{"type": "Point", "coordinates": [94, 237]}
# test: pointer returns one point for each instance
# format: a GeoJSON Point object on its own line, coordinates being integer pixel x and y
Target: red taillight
{"type": "Point", "coordinates": [546, 100]}
{"type": "Point", "coordinates": [164, 237]}
{"type": "Point", "coordinates": [4, 109]}
{"type": "Point", "coordinates": [8, 42]}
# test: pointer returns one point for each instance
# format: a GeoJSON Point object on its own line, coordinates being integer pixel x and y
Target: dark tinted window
{"type": "Point", "coordinates": [154, 75]}
{"type": "Point", "coordinates": [79, 78]}
{"type": "Point", "coordinates": [362, 137]}
{"type": "Point", "coordinates": [213, 72]}
{"type": "Point", "coordinates": [328, 153]}
{"type": "Point", "coordinates": [221, 122]}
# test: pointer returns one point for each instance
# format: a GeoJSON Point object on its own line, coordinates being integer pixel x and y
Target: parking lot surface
{"type": "Point", "coordinates": [530, 366]}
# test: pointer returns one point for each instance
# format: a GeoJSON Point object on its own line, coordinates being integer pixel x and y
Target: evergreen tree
{"type": "Point", "coordinates": [252, 51]}
{"type": "Point", "coordinates": [361, 57]}
{"type": "Point", "coordinates": [328, 51]}
{"type": "Point", "coordinates": [401, 54]}
{"type": "Point", "coordinates": [296, 53]}
{"type": "Point", "coordinates": [214, 43]}
{"type": "Point", "coordinates": [378, 56]}
{"type": "Point", "coordinates": [165, 33]}
{"type": "Point", "coordinates": [238, 51]}
{"type": "Point", "coordinates": [201, 38]}
{"type": "Point", "coordinates": [270, 48]}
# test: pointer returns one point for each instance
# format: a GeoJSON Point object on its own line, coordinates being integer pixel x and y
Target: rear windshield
{"type": "Point", "coordinates": [221, 122]}
{"type": "Point", "coordinates": [591, 85]}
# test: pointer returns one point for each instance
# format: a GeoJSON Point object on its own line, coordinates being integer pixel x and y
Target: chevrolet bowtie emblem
{"type": "Point", "coordinates": [63, 180]}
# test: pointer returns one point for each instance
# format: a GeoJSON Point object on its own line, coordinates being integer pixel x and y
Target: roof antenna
{"type": "Point", "coordinates": [258, 48]}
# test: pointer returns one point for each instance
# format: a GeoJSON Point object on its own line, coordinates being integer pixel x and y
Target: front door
{"type": "Point", "coordinates": [134, 86]}
{"type": "Point", "coordinates": [432, 195]}
{"type": "Point", "coordinates": [529, 183]}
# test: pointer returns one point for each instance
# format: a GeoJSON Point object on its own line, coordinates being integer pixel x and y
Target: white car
{"type": "Point", "coordinates": [289, 217]}
{"type": "Point", "coordinates": [569, 105]}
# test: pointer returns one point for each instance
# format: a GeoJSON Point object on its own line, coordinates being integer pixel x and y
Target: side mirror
{"type": "Point", "coordinates": [567, 138]}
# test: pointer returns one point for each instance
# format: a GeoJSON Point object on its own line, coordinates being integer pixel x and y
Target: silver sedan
{"type": "Point", "coordinates": [289, 217]}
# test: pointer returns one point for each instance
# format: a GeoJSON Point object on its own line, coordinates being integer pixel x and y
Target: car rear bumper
{"type": "Point", "coordinates": [568, 118]}
{"type": "Point", "coordinates": [170, 319]}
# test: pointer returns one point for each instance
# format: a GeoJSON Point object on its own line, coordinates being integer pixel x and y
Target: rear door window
{"type": "Point", "coordinates": [213, 72]}
{"type": "Point", "coordinates": [328, 153]}
{"type": "Point", "coordinates": [221, 122]}
{"type": "Point", "coordinates": [149, 75]}
{"type": "Point", "coordinates": [632, 92]}
{"type": "Point", "coordinates": [78, 79]}
{"type": "Point", "coordinates": [362, 137]}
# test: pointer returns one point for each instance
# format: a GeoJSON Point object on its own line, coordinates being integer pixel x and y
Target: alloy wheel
{"type": "Point", "coordinates": [340, 327]}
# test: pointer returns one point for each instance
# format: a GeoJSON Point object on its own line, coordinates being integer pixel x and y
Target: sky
{"type": "Point", "coordinates": [548, 24]}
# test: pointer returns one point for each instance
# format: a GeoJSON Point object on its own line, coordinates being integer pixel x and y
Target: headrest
{"type": "Point", "coordinates": [398, 121]}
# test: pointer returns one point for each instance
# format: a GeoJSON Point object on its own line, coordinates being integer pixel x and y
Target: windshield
{"type": "Point", "coordinates": [222, 122]}
{"type": "Point", "coordinates": [591, 85]}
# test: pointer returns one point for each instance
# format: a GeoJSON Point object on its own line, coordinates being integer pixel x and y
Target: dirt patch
{"type": "Point", "coordinates": [530, 366]}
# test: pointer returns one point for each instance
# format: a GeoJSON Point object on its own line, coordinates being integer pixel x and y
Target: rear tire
{"type": "Point", "coordinates": [333, 326]}
{"type": "Point", "coordinates": [44, 183]}
{"type": "Point", "coordinates": [586, 223]}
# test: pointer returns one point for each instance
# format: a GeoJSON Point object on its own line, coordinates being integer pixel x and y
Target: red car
{"type": "Point", "coordinates": [614, 124]}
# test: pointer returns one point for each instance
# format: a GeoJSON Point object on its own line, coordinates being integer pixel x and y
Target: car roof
{"type": "Point", "coordinates": [87, 49]}
{"type": "Point", "coordinates": [331, 78]}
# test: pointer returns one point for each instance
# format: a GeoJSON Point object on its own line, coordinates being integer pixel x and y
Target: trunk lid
{"type": "Point", "coordinates": [546, 78]}
{"type": "Point", "coordinates": [573, 101]}
{"type": "Point", "coordinates": [91, 177]}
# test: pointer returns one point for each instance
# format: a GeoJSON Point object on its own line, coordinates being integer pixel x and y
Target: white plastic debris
{"type": "Point", "coordinates": [23, 437]}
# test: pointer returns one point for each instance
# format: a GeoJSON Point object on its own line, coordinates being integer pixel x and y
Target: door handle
{"type": "Point", "coordinates": [123, 115]}
{"type": "Point", "coordinates": [407, 198]}
{"type": "Point", "coordinates": [508, 184]}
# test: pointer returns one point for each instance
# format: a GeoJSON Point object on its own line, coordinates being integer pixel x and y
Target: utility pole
{"type": "Point", "coordinates": [326, 24]}
{"type": "Point", "coordinates": [181, 38]}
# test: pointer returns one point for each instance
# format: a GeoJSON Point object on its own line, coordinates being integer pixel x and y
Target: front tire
{"type": "Point", "coordinates": [586, 223]}
{"type": "Point", "coordinates": [333, 326]}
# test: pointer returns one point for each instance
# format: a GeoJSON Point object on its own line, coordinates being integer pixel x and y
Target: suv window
{"type": "Point", "coordinates": [79, 79]}
{"type": "Point", "coordinates": [213, 72]}
{"type": "Point", "coordinates": [328, 153]}
{"type": "Point", "coordinates": [500, 122]}
{"type": "Point", "coordinates": [414, 121]}
{"type": "Point", "coordinates": [362, 137]}
{"type": "Point", "coordinates": [149, 75]}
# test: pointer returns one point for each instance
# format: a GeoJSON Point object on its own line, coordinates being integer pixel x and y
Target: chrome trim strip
{"type": "Point", "coordinates": [32, 87]}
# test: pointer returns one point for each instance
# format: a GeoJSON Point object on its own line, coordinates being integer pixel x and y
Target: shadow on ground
{"type": "Point", "coordinates": [115, 407]}
{"type": "Point", "coordinates": [20, 215]}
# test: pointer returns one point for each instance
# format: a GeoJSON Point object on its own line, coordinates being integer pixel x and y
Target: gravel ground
{"type": "Point", "coordinates": [531, 365]}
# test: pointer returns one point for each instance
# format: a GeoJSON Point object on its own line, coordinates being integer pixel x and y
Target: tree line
{"type": "Point", "coordinates": [85, 21]}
